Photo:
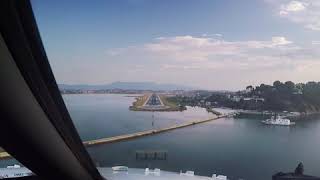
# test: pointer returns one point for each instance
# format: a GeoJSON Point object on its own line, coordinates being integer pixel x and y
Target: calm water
{"type": "Point", "coordinates": [238, 148]}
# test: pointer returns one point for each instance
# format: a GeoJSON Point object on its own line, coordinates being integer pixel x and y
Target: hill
{"type": "Point", "coordinates": [126, 86]}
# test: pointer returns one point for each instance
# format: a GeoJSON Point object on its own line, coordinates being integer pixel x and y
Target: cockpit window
{"type": "Point", "coordinates": [192, 87]}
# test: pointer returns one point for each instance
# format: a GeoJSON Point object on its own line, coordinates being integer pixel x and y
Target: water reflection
{"type": "Point", "coordinates": [239, 148]}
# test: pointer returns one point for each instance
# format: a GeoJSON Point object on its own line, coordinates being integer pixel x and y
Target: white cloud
{"type": "Point", "coordinates": [195, 53]}
{"type": "Point", "coordinates": [294, 6]}
{"type": "Point", "coordinates": [201, 48]}
{"type": "Point", "coordinates": [191, 59]}
{"type": "Point", "coordinates": [304, 12]}
{"type": "Point", "coordinates": [314, 26]}
{"type": "Point", "coordinates": [280, 41]}
{"type": "Point", "coordinates": [188, 48]}
{"type": "Point", "coordinates": [315, 42]}
{"type": "Point", "coordinates": [183, 58]}
{"type": "Point", "coordinates": [212, 35]}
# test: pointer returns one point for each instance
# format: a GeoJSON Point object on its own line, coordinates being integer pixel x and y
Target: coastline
{"type": "Point", "coordinates": [287, 114]}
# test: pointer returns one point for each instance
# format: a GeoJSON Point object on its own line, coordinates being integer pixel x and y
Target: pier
{"type": "Point", "coordinates": [5, 155]}
{"type": "Point", "coordinates": [147, 132]}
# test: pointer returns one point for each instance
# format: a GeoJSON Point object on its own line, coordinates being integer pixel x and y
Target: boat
{"type": "Point", "coordinates": [278, 120]}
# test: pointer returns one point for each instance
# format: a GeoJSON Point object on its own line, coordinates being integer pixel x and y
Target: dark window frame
{"type": "Point", "coordinates": [20, 33]}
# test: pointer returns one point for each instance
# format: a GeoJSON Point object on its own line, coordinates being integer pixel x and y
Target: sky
{"type": "Point", "coordinates": [208, 44]}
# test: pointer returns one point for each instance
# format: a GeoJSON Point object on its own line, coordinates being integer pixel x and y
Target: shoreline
{"type": "Point", "coordinates": [270, 113]}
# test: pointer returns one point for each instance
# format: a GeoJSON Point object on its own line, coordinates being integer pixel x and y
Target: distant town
{"type": "Point", "coordinates": [280, 96]}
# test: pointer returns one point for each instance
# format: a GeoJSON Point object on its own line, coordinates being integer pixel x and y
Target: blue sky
{"type": "Point", "coordinates": [210, 44]}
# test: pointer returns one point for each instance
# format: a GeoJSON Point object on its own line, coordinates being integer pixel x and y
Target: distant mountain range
{"type": "Point", "coordinates": [126, 86]}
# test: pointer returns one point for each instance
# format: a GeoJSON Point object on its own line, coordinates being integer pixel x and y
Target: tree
{"type": "Point", "coordinates": [299, 170]}
{"type": "Point", "coordinates": [290, 85]}
{"type": "Point", "coordinates": [249, 87]}
{"type": "Point", "coordinates": [277, 84]}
